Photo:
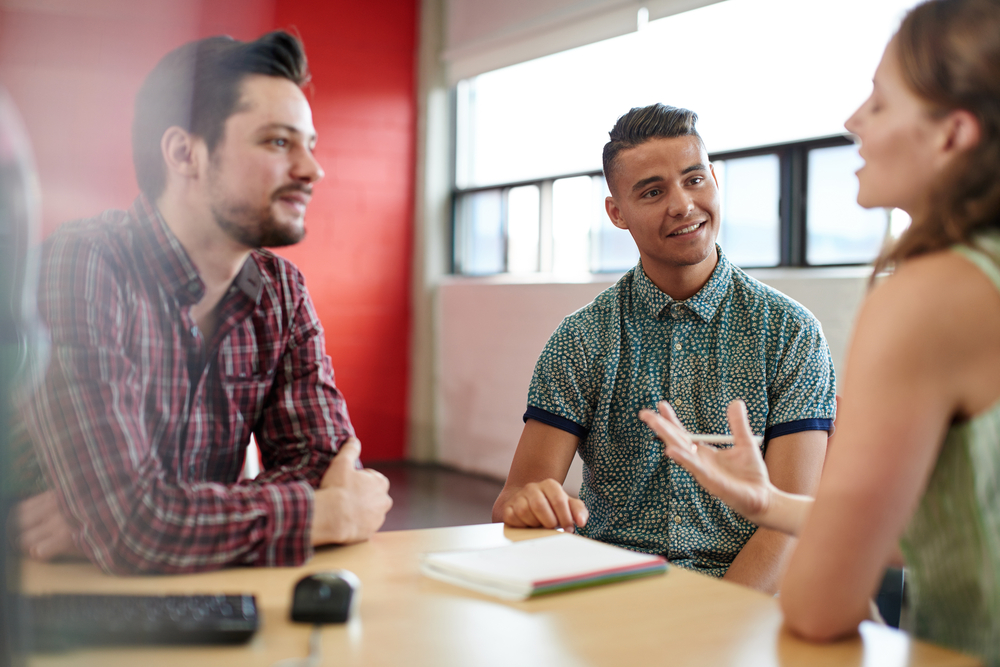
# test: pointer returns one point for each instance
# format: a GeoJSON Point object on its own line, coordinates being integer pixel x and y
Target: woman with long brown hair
{"type": "Point", "coordinates": [916, 462]}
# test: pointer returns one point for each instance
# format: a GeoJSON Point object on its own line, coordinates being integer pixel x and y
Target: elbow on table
{"type": "Point", "coordinates": [815, 624]}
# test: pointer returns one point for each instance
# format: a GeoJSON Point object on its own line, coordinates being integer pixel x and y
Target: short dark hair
{"type": "Point", "coordinates": [644, 123]}
{"type": "Point", "coordinates": [197, 87]}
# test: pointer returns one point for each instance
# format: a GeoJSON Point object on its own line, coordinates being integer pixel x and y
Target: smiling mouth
{"type": "Point", "coordinates": [687, 230]}
{"type": "Point", "coordinates": [296, 198]}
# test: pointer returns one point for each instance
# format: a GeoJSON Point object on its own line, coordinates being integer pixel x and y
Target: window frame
{"type": "Point", "coordinates": [793, 193]}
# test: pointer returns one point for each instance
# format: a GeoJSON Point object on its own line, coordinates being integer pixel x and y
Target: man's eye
{"type": "Point", "coordinates": [697, 180]}
{"type": "Point", "coordinates": [651, 193]}
{"type": "Point", "coordinates": [280, 143]}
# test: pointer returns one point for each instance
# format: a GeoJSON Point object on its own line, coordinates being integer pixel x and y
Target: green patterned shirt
{"type": "Point", "coordinates": [633, 346]}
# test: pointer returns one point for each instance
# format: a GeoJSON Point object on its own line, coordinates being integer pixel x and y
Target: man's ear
{"type": "Point", "coordinates": [711, 168]}
{"type": "Point", "coordinates": [615, 213]}
{"type": "Point", "coordinates": [179, 148]}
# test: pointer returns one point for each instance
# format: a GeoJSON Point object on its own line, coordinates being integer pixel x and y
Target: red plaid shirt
{"type": "Point", "coordinates": [142, 424]}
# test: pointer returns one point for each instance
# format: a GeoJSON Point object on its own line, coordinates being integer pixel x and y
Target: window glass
{"type": "Point", "coordinates": [757, 72]}
{"type": "Point", "coordinates": [899, 222]}
{"type": "Point", "coordinates": [838, 230]}
{"type": "Point", "coordinates": [479, 238]}
{"type": "Point", "coordinates": [750, 192]}
{"type": "Point", "coordinates": [522, 229]}
{"type": "Point", "coordinates": [613, 248]}
{"type": "Point", "coordinates": [574, 211]}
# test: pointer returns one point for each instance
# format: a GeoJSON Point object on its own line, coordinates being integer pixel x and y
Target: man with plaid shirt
{"type": "Point", "coordinates": [175, 337]}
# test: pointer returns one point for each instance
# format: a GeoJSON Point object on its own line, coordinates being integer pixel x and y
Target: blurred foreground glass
{"type": "Point", "coordinates": [838, 230]}
{"type": "Point", "coordinates": [749, 189]}
{"type": "Point", "coordinates": [20, 335]}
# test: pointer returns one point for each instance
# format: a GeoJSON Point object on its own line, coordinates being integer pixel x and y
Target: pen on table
{"type": "Point", "coordinates": [719, 439]}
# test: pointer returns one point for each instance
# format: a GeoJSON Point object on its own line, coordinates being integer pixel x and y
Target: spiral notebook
{"type": "Point", "coordinates": [545, 565]}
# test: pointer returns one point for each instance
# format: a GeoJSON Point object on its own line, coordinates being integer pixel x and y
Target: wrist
{"type": "Point", "coordinates": [321, 531]}
{"type": "Point", "coordinates": [785, 512]}
{"type": "Point", "coordinates": [331, 517]}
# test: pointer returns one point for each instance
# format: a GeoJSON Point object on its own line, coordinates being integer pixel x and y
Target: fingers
{"type": "Point", "coordinates": [350, 451]}
{"type": "Point", "coordinates": [739, 424]}
{"type": "Point", "coordinates": [669, 430]}
{"type": "Point", "coordinates": [345, 461]}
{"type": "Point", "coordinates": [54, 544]}
{"type": "Point", "coordinates": [544, 504]}
{"type": "Point", "coordinates": [377, 475]}
{"type": "Point", "coordinates": [668, 413]}
{"type": "Point", "coordinates": [44, 537]}
{"type": "Point", "coordinates": [36, 509]}
{"type": "Point", "coordinates": [579, 510]}
{"type": "Point", "coordinates": [676, 441]}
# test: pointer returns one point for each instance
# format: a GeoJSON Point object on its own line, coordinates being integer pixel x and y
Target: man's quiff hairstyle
{"type": "Point", "coordinates": [657, 121]}
{"type": "Point", "coordinates": [197, 87]}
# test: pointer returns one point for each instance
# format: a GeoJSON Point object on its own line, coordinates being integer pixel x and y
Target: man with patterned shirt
{"type": "Point", "coordinates": [175, 336]}
{"type": "Point", "coordinates": [685, 326]}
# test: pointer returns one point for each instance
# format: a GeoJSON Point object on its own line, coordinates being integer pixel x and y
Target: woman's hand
{"type": "Point", "coordinates": [736, 475]}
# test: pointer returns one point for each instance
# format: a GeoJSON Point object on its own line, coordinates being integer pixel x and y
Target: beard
{"type": "Point", "coordinates": [256, 226]}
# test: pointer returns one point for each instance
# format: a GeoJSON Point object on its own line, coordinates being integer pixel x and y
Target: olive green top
{"type": "Point", "coordinates": [952, 545]}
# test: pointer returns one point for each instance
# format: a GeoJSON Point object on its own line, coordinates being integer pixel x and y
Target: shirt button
{"type": "Point", "coordinates": [194, 332]}
{"type": "Point", "coordinates": [677, 518]}
{"type": "Point", "coordinates": [677, 346]}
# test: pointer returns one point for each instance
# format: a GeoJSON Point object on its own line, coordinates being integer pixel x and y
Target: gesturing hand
{"type": "Point", "coordinates": [736, 475]}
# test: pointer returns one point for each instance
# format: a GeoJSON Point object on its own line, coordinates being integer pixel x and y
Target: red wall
{"type": "Point", "coordinates": [73, 67]}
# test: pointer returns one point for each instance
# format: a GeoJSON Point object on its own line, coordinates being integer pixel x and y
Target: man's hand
{"type": "Point", "coordinates": [350, 504]}
{"type": "Point", "coordinates": [545, 504]}
{"type": "Point", "coordinates": [42, 531]}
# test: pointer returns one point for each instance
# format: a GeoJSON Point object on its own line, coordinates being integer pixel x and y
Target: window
{"type": "Point", "coordinates": [750, 190]}
{"type": "Point", "coordinates": [786, 205]}
{"type": "Point", "coordinates": [840, 231]}
{"type": "Point", "coordinates": [788, 199]}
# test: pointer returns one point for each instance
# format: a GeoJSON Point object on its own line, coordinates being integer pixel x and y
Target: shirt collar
{"type": "Point", "coordinates": [703, 303]}
{"type": "Point", "coordinates": [169, 264]}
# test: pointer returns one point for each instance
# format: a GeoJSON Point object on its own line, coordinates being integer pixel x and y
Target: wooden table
{"type": "Point", "coordinates": [407, 620]}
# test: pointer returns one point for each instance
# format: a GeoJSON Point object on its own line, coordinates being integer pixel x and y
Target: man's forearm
{"type": "Point", "coordinates": [305, 418]}
{"type": "Point", "coordinates": [794, 463]}
{"type": "Point", "coordinates": [761, 562]}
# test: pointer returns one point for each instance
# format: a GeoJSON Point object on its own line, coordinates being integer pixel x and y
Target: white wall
{"type": "Point", "coordinates": [491, 331]}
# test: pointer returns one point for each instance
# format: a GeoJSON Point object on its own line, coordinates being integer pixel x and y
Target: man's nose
{"type": "Point", "coordinates": [679, 204]}
{"type": "Point", "coordinates": [307, 167]}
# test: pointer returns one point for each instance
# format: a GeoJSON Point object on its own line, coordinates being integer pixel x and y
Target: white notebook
{"type": "Point", "coordinates": [545, 565]}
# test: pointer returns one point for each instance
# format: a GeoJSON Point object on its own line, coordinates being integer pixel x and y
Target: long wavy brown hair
{"type": "Point", "coordinates": [949, 52]}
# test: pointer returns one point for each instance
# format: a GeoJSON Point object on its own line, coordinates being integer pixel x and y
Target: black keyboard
{"type": "Point", "coordinates": [59, 622]}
